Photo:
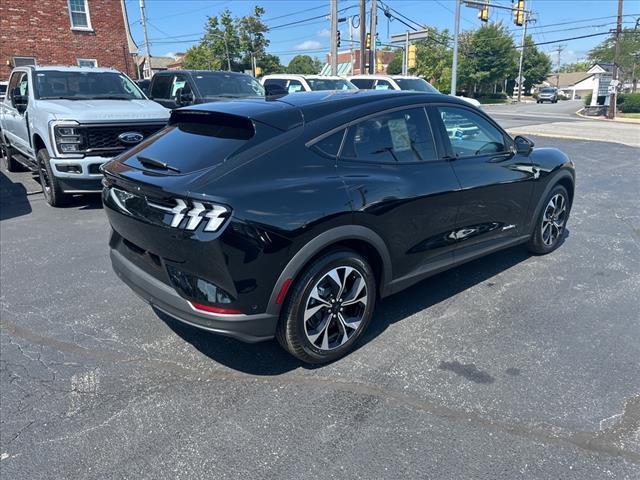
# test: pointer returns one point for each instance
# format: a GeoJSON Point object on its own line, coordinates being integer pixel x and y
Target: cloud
{"type": "Point", "coordinates": [324, 33]}
{"type": "Point", "coordinates": [308, 45]}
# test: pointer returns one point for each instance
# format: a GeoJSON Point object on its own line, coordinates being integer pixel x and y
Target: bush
{"type": "Point", "coordinates": [587, 100]}
{"type": "Point", "coordinates": [631, 103]}
{"type": "Point", "coordinates": [492, 98]}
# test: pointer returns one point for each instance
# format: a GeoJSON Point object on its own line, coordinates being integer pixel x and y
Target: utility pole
{"type": "Point", "coordinates": [611, 113]}
{"type": "Point", "coordinates": [334, 37]}
{"type": "Point", "coordinates": [351, 65]}
{"type": "Point", "coordinates": [559, 50]}
{"type": "Point", "coordinates": [372, 30]}
{"type": "Point", "coordinates": [405, 55]}
{"type": "Point", "coordinates": [524, 36]}
{"type": "Point", "coordinates": [454, 66]}
{"type": "Point", "coordinates": [147, 62]}
{"type": "Point", "coordinates": [363, 35]}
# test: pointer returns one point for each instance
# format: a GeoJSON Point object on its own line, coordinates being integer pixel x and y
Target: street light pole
{"type": "Point", "coordinates": [143, 20]}
{"type": "Point", "coordinates": [334, 40]}
{"type": "Point", "coordinates": [454, 66]}
{"type": "Point", "coordinates": [611, 113]}
{"type": "Point", "coordinates": [524, 36]}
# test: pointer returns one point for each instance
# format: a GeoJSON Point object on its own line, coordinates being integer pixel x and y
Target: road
{"type": "Point", "coordinates": [512, 366]}
{"type": "Point", "coordinates": [520, 115]}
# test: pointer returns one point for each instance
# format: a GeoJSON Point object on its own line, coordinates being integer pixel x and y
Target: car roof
{"type": "Point", "coordinates": [291, 76]}
{"type": "Point", "coordinates": [287, 111]}
{"type": "Point", "coordinates": [71, 68]}
{"type": "Point", "coordinates": [201, 72]}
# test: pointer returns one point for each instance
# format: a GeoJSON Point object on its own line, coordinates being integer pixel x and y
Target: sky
{"type": "Point", "coordinates": [175, 25]}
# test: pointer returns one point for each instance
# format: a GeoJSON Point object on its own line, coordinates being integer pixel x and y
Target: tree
{"type": "Point", "coordinates": [199, 57]}
{"type": "Point", "coordinates": [222, 40]}
{"type": "Point", "coordinates": [433, 59]}
{"type": "Point", "coordinates": [536, 65]}
{"type": "Point", "coordinates": [253, 40]}
{"type": "Point", "coordinates": [270, 64]}
{"type": "Point", "coordinates": [629, 47]}
{"type": "Point", "coordinates": [488, 57]}
{"type": "Point", "coordinates": [575, 67]}
{"type": "Point", "coordinates": [395, 65]}
{"type": "Point", "coordinates": [304, 65]}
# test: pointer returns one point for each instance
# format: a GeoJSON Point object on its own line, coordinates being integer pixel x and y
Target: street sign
{"type": "Point", "coordinates": [520, 79]}
{"type": "Point", "coordinates": [378, 43]}
{"type": "Point", "coordinates": [402, 37]}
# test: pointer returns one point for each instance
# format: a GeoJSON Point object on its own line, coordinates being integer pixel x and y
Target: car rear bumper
{"type": "Point", "coordinates": [247, 328]}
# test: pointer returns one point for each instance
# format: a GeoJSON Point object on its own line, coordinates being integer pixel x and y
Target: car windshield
{"type": "Point", "coordinates": [227, 85]}
{"type": "Point", "coordinates": [330, 84]}
{"type": "Point", "coordinates": [74, 85]}
{"type": "Point", "coordinates": [416, 84]}
{"type": "Point", "coordinates": [548, 90]}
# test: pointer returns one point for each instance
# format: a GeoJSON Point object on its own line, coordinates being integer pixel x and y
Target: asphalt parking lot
{"type": "Point", "coordinates": [512, 366]}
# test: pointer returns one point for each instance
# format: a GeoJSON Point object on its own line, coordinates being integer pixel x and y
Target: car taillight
{"type": "Point", "coordinates": [211, 309]}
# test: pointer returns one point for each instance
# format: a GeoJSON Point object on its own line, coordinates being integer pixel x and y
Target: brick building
{"type": "Point", "coordinates": [65, 32]}
{"type": "Point", "coordinates": [349, 62]}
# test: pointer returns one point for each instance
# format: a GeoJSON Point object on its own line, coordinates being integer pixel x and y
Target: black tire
{"type": "Point", "coordinates": [7, 153]}
{"type": "Point", "coordinates": [53, 193]}
{"type": "Point", "coordinates": [543, 242]}
{"type": "Point", "coordinates": [292, 332]}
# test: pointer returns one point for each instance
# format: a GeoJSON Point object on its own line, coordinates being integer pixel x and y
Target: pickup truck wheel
{"type": "Point", "coordinates": [7, 162]}
{"type": "Point", "coordinates": [53, 194]}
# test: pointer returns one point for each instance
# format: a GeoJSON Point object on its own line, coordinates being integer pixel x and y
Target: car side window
{"type": "Point", "coordinates": [383, 85]}
{"type": "Point", "coordinates": [294, 86]}
{"type": "Point", "coordinates": [396, 137]}
{"type": "Point", "coordinates": [330, 145]}
{"type": "Point", "coordinates": [470, 134]}
{"type": "Point", "coordinates": [363, 83]}
{"type": "Point", "coordinates": [278, 82]}
{"type": "Point", "coordinates": [161, 86]}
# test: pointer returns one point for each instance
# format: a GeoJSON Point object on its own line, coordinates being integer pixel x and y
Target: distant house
{"type": "Point", "coordinates": [158, 64]}
{"type": "Point", "coordinates": [594, 81]}
{"type": "Point", "coordinates": [177, 62]}
{"type": "Point", "coordinates": [349, 62]}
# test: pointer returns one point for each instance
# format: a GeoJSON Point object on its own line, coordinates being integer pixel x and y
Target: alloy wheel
{"type": "Point", "coordinates": [335, 308]}
{"type": "Point", "coordinates": [553, 219]}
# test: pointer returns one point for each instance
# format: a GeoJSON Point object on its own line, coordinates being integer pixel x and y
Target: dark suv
{"type": "Point", "coordinates": [290, 217]}
{"type": "Point", "coordinates": [180, 88]}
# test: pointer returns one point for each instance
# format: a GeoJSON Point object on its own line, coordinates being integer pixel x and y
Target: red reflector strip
{"type": "Point", "coordinates": [211, 309]}
{"type": "Point", "coordinates": [283, 291]}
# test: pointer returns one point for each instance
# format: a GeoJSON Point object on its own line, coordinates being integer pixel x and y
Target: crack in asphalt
{"type": "Point", "coordinates": [605, 441]}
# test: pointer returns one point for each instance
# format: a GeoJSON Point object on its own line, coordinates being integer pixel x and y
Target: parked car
{"type": "Point", "coordinates": [400, 82]}
{"type": "Point", "coordinates": [179, 88]}
{"type": "Point", "coordinates": [3, 90]}
{"type": "Point", "coordinates": [290, 217]}
{"type": "Point", "coordinates": [547, 94]}
{"type": "Point", "coordinates": [143, 84]}
{"type": "Point", "coordinates": [65, 122]}
{"type": "Point", "coordinates": [282, 84]}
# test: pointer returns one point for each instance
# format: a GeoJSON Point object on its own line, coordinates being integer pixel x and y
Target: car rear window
{"type": "Point", "coordinates": [194, 140]}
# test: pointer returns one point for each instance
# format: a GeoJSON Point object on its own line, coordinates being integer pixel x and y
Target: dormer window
{"type": "Point", "coordinates": [79, 15]}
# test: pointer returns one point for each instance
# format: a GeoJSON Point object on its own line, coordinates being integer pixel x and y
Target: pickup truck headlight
{"type": "Point", "coordinates": [68, 138]}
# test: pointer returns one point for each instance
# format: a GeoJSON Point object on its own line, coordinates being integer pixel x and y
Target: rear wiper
{"type": "Point", "coordinates": [157, 163]}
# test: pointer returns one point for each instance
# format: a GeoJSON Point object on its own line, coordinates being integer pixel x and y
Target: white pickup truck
{"type": "Point", "coordinates": [64, 122]}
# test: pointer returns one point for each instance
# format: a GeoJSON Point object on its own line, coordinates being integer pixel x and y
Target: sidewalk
{"type": "Point", "coordinates": [598, 131]}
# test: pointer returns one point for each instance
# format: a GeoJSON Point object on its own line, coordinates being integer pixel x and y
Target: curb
{"type": "Point", "coordinates": [616, 120]}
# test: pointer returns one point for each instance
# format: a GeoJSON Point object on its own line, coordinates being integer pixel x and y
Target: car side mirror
{"type": "Point", "coordinates": [18, 101]}
{"type": "Point", "coordinates": [186, 98]}
{"type": "Point", "coordinates": [272, 90]}
{"type": "Point", "coordinates": [523, 145]}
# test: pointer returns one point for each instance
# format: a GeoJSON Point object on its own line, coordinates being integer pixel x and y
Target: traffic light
{"type": "Point", "coordinates": [411, 58]}
{"type": "Point", "coordinates": [338, 38]}
{"type": "Point", "coordinates": [483, 14]}
{"type": "Point", "coordinates": [518, 13]}
{"type": "Point", "coordinates": [258, 71]}
{"type": "Point", "coordinates": [368, 42]}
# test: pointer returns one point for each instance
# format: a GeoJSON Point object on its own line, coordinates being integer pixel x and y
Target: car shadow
{"type": "Point", "coordinates": [268, 358]}
{"type": "Point", "coordinates": [14, 200]}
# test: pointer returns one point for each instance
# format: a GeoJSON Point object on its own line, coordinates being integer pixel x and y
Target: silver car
{"type": "Point", "coordinates": [548, 94]}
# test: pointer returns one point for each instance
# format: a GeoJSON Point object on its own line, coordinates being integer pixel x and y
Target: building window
{"type": "Point", "coordinates": [23, 61]}
{"type": "Point", "coordinates": [87, 62]}
{"type": "Point", "coordinates": [79, 15]}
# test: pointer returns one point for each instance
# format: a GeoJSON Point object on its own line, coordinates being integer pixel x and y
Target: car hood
{"type": "Point", "coordinates": [104, 110]}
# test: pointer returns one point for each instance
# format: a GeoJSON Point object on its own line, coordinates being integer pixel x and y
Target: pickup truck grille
{"type": "Point", "coordinates": [104, 138]}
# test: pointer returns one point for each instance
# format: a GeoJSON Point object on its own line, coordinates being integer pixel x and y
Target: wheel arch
{"type": "Point", "coordinates": [38, 143]}
{"type": "Point", "coordinates": [361, 239]}
{"type": "Point", "coordinates": [564, 178]}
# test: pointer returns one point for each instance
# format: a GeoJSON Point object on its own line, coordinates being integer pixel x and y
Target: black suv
{"type": "Point", "coordinates": [290, 217]}
{"type": "Point", "coordinates": [180, 88]}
